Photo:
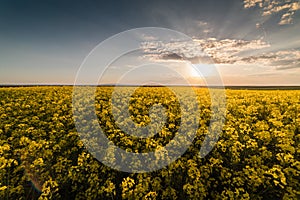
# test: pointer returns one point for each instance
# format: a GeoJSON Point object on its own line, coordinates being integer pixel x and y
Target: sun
{"type": "Point", "coordinates": [193, 72]}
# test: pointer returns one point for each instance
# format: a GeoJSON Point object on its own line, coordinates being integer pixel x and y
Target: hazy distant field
{"type": "Point", "coordinates": [256, 157]}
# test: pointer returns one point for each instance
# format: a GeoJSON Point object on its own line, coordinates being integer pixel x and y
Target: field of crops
{"type": "Point", "coordinates": [256, 157]}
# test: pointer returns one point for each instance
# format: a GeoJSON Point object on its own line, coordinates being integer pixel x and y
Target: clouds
{"type": "Point", "coordinates": [208, 50]}
{"type": "Point", "coordinates": [279, 60]}
{"type": "Point", "coordinates": [287, 59]}
{"type": "Point", "coordinates": [226, 51]}
{"type": "Point", "coordinates": [201, 23]}
{"type": "Point", "coordinates": [173, 51]}
{"type": "Point", "coordinates": [204, 26]}
{"type": "Point", "coordinates": [270, 7]}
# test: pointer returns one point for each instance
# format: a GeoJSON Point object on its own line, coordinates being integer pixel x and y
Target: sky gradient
{"type": "Point", "coordinates": [251, 42]}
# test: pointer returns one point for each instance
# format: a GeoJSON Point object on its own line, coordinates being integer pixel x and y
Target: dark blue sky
{"type": "Point", "coordinates": [90, 21]}
{"type": "Point", "coordinates": [46, 41]}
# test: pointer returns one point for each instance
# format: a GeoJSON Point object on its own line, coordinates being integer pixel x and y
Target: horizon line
{"type": "Point", "coordinates": [153, 85]}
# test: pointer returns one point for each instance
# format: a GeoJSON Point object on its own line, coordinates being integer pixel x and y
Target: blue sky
{"type": "Point", "coordinates": [250, 42]}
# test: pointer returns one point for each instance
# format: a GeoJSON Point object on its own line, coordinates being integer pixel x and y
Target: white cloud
{"type": "Point", "coordinates": [201, 51]}
{"type": "Point", "coordinates": [278, 60]}
{"type": "Point", "coordinates": [226, 51]}
{"type": "Point", "coordinates": [275, 6]}
{"type": "Point", "coordinates": [146, 37]}
{"type": "Point", "coordinates": [177, 50]}
{"type": "Point", "coordinates": [201, 23]}
{"type": "Point", "coordinates": [203, 26]}
{"type": "Point", "coordinates": [286, 18]}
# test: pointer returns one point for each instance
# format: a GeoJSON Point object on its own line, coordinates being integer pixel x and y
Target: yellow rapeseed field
{"type": "Point", "coordinates": [256, 157]}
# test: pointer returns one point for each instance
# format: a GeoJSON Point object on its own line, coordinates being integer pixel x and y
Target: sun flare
{"type": "Point", "coordinates": [193, 72]}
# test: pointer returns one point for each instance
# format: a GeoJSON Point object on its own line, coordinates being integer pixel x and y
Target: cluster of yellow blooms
{"type": "Point", "coordinates": [256, 157]}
